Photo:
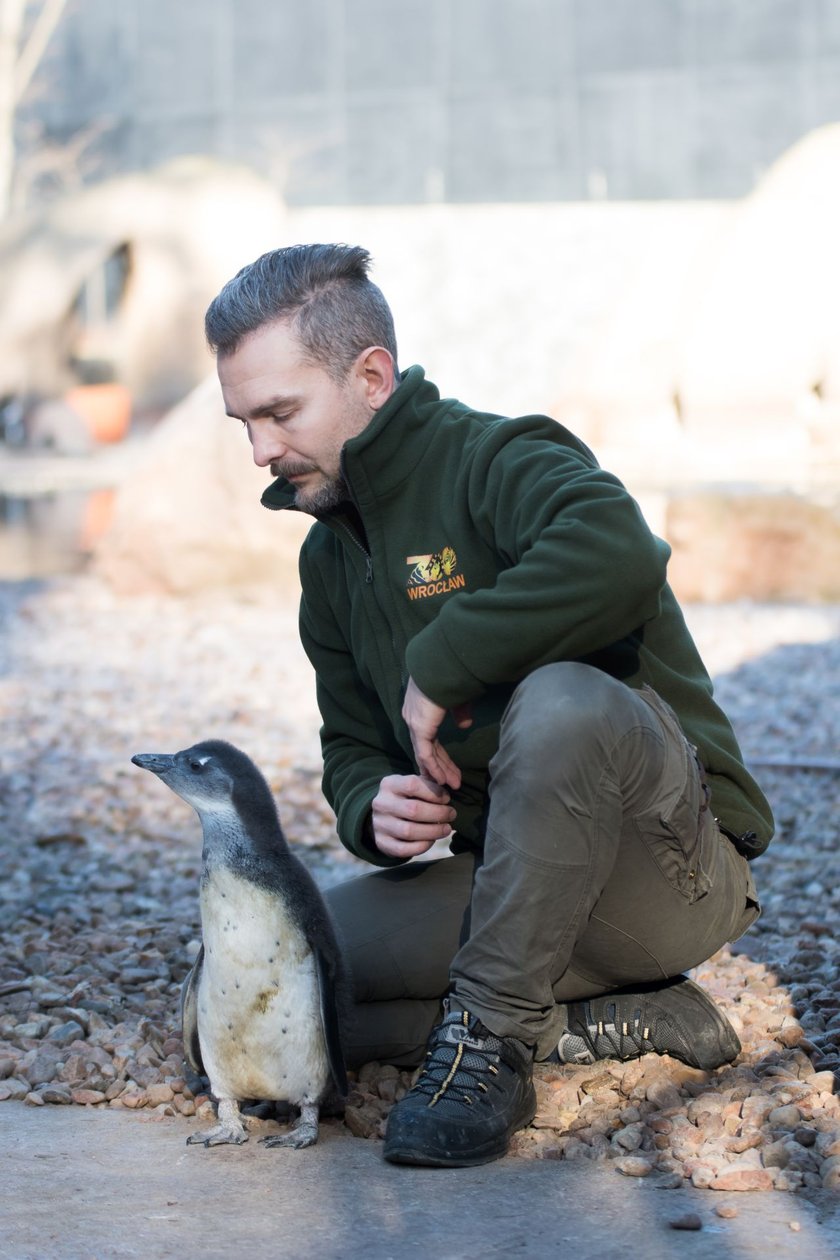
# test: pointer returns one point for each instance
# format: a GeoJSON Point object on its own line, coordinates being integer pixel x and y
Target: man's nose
{"type": "Point", "coordinates": [267, 447]}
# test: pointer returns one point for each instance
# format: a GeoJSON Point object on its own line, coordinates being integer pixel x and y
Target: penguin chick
{"type": "Point", "coordinates": [260, 1008]}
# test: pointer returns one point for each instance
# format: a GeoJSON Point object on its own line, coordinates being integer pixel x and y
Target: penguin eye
{"type": "Point", "coordinates": [196, 766]}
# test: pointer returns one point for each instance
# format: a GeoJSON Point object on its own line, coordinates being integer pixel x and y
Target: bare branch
{"type": "Point", "coordinates": [35, 47]}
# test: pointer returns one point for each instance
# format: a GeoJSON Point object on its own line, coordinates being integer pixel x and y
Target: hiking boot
{"type": "Point", "coordinates": [675, 1018]}
{"type": "Point", "coordinates": [474, 1091]}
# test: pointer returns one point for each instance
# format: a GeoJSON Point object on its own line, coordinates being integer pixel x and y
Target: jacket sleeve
{"type": "Point", "coordinates": [357, 745]}
{"type": "Point", "coordinates": [580, 571]}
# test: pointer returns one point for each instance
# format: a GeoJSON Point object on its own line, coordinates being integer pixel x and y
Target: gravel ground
{"type": "Point", "coordinates": [99, 866]}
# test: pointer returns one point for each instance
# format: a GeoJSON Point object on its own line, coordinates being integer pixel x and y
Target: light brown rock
{"type": "Point", "coordinates": [87, 1097]}
{"type": "Point", "coordinates": [363, 1122]}
{"type": "Point", "coordinates": [157, 1094]}
{"type": "Point", "coordinates": [633, 1166]}
{"type": "Point", "coordinates": [743, 1179]}
{"type": "Point", "coordinates": [133, 1098]}
{"type": "Point", "coordinates": [756, 1108]}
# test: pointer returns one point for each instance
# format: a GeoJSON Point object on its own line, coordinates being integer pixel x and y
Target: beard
{"type": "Point", "coordinates": [322, 499]}
{"type": "Point", "coordinates": [316, 499]}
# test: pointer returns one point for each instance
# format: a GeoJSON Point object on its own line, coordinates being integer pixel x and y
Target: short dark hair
{"type": "Point", "coordinates": [322, 290]}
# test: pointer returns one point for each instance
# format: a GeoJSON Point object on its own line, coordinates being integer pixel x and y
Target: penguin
{"type": "Point", "coordinates": [263, 1005]}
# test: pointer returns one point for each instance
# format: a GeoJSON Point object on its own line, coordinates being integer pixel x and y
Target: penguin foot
{"type": "Point", "coordinates": [222, 1135]}
{"type": "Point", "coordinates": [230, 1130]}
{"type": "Point", "coordinates": [304, 1131]}
{"type": "Point", "coordinates": [301, 1135]}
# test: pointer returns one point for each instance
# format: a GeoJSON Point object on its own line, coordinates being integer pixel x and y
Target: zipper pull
{"type": "Point", "coordinates": [368, 569]}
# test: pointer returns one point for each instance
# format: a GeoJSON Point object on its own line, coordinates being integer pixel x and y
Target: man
{"type": "Point", "coordinates": [498, 655]}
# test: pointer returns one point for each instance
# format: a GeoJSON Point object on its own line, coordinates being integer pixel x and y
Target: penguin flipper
{"type": "Point", "coordinates": [189, 1015]}
{"type": "Point", "coordinates": [330, 1022]}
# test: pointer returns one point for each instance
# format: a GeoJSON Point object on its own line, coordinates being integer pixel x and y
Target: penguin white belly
{"type": "Point", "coordinates": [258, 1007]}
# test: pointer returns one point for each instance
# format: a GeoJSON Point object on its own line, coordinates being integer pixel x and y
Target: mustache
{"type": "Point", "coordinates": [291, 470]}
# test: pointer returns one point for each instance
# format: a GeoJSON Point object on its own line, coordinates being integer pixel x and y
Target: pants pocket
{"type": "Point", "coordinates": [679, 830]}
{"type": "Point", "coordinates": [751, 905]}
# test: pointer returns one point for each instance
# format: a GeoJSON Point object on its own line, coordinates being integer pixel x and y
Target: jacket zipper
{"type": "Point", "coordinates": [354, 538]}
{"type": "Point", "coordinates": [357, 542]}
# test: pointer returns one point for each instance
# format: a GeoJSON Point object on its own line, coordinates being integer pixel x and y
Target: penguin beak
{"type": "Point", "coordinates": [158, 763]}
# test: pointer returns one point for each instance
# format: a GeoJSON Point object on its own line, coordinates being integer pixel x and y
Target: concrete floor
{"type": "Point", "coordinates": [80, 1184]}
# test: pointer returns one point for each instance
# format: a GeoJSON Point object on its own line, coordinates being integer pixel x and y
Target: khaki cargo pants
{"type": "Point", "coordinates": [602, 867]}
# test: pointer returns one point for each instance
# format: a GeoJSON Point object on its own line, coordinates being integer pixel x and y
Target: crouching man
{"type": "Point", "coordinates": [498, 656]}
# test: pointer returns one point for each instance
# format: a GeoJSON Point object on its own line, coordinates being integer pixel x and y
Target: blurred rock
{"type": "Point", "coordinates": [162, 242]}
{"type": "Point", "coordinates": [748, 544]}
{"type": "Point", "coordinates": [190, 516]}
{"type": "Point", "coordinates": [759, 344]}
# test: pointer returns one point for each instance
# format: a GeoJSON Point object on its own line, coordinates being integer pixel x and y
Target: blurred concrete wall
{"type": "Point", "coordinates": [411, 101]}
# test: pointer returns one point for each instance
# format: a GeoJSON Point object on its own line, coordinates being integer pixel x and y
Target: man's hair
{"type": "Point", "coordinates": [323, 291]}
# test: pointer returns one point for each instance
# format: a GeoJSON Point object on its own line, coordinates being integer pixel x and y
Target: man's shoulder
{"type": "Point", "coordinates": [492, 434]}
{"type": "Point", "coordinates": [453, 423]}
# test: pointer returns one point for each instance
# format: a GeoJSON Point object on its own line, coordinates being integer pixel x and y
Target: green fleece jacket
{"type": "Point", "coordinates": [475, 549]}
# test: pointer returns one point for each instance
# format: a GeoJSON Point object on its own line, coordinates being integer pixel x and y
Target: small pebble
{"type": "Point", "coordinates": [690, 1221]}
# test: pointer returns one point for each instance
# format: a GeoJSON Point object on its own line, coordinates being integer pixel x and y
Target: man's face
{"type": "Point", "coordinates": [298, 417]}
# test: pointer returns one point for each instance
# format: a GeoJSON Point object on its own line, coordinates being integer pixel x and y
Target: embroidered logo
{"type": "Point", "coordinates": [434, 574]}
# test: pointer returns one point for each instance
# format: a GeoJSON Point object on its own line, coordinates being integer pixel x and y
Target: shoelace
{"type": "Point", "coordinates": [601, 1036]}
{"type": "Point", "coordinates": [457, 1072]}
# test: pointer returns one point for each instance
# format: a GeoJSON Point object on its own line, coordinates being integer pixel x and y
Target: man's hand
{"type": "Point", "coordinates": [409, 814]}
{"type": "Point", "coordinates": [423, 718]}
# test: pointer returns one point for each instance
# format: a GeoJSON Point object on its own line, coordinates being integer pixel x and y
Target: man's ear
{"type": "Point", "coordinates": [375, 372]}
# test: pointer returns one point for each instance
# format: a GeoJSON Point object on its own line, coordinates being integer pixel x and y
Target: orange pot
{"type": "Point", "coordinates": [105, 409]}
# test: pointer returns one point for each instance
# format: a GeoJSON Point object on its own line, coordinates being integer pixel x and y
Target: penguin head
{"type": "Point", "coordinates": [226, 790]}
{"type": "Point", "coordinates": [203, 775]}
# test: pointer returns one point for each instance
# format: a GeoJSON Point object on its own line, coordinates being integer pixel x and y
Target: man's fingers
{"type": "Point", "coordinates": [423, 718]}
{"type": "Point", "coordinates": [410, 832]}
{"type": "Point", "coordinates": [414, 787]}
{"type": "Point", "coordinates": [413, 798]}
{"type": "Point", "coordinates": [418, 823]}
{"type": "Point", "coordinates": [409, 813]}
{"type": "Point", "coordinates": [401, 849]}
{"type": "Point", "coordinates": [401, 837]}
{"type": "Point", "coordinates": [435, 763]}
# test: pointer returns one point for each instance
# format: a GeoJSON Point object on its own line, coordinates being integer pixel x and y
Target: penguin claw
{"type": "Point", "coordinates": [219, 1136]}
{"type": "Point", "coordinates": [302, 1135]}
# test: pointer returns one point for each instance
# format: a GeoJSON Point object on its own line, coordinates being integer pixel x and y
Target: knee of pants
{"type": "Point", "coordinates": [565, 705]}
